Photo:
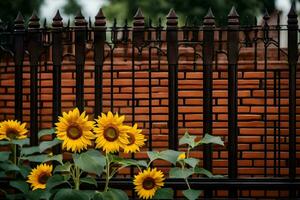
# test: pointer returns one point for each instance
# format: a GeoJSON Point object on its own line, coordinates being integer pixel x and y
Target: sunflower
{"type": "Point", "coordinates": [147, 182]}
{"type": "Point", "coordinates": [11, 130]}
{"type": "Point", "coordinates": [39, 176]}
{"type": "Point", "coordinates": [110, 132]}
{"type": "Point", "coordinates": [75, 130]}
{"type": "Point", "coordinates": [136, 140]}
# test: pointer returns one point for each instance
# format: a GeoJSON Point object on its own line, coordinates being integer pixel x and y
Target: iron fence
{"type": "Point", "coordinates": [44, 45]}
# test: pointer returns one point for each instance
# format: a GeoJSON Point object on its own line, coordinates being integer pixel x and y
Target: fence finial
{"type": "Point", "coordinates": [34, 21]}
{"type": "Point", "coordinates": [209, 18]}
{"type": "Point", "coordinates": [266, 16]}
{"type": "Point", "coordinates": [80, 20]}
{"type": "Point", "coordinates": [100, 18]}
{"type": "Point", "coordinates": [57, 20]}
{"type": "Point", "coordinates": [138, 19]}
{"type": "Point", "coordinates": [292, 13]}
{"type": "Point", "coordinates": [139, 14]}
{"type": "Point", "coordinates": [172, 18]}
{"type": "Point", "coordinates": [233, 17]}
{"type": "Point", "coordinates": [19, 21]}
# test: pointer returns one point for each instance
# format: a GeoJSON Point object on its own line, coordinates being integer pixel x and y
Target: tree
{"type": "Point", "coordinates": [9, 8]}
{"type": "Point", "coordinates": [194, 10]}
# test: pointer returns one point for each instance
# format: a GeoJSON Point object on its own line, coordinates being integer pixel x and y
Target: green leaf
{"type": "Point", "coordinates": [89, 180]}
{"type": "Point", "coordinates": [22, 142]}
{"type": "Point", "coordinates": [164, 193]}
{"type": "Point", "coordinates": [209, 139]}
{"type": "Point", "coordinates": [188, 139]}
{"type": "Point", "coordinates": [54, 181]}
{"type": "Point", "coordinates": [2, 175]}
{"type": "Point", "coordinates": [4, 156]}
{"type": "Point", "coordinates": [170, 155]}
{"type": "Point", "coordinates": [20, 185]}
{"type": "Point", "coordinates": [65, 194]}
{"type": "Point", "coordinates": [46, 132]}
{"type": "Point", "coordinates": [43, 158]}
{"type": "Point", "coordinates": [9, 167]}
{"type": "Point", "coordinates": [64, 168]}
{"type": "Point", "coordinates": [191, 194]}
{"type": "Point", "coordinates": [167, 155]}
{"type": "Point", "coordinates": [4, 142]}
{"type": "Point", "coordinates": [153, 155]}
{"type": "Point", "coordinates": [24, 170]}
{"type": "Point", "coordinates": [91, 161]}
{"type": "Point", "coordinates": [30, 150]}
{"type": "Point", "coordinates": [177, 172]}
{"type": "Point", "coordinates": [203, 171]}
{"type": "Point", "coordinates": [191, 162]}
{"type": "Point", "coordinates": [48, 144]}
{"type": "Point", "coordinates": [128, 162]}
{"type": "Point", "coordinates": [35, 194]}
{"type": "Point", "coordinates": [112, 194]}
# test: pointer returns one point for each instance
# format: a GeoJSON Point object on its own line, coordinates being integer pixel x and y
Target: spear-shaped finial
{"type": "Point", "coordinates": [19, 22]}
{"type": "Point", "coordinates": [34, 21]}
{"type": "Point", "coordinates": [57, 20]}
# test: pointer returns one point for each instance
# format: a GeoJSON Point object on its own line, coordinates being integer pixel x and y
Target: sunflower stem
{"type": "Point", "coordinates": [14, 150]}
{"type": "Point", "coordinates": [77, 178]}
{"type": "Point", "coordinates": [107, 178]}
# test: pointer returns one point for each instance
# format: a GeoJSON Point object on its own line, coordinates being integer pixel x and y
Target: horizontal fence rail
{"type": "Point", "coordinates": [238, 81]}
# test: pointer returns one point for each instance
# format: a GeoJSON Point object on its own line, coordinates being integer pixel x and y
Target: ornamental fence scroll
{"type": "Point", "coordinates": [229, 52]}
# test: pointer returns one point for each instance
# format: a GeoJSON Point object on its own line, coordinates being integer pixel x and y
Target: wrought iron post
{"type": "Point", "coordinates": [292, 60]}
{"type": "Point", "coordinates": [57, 57]}
{"type": "Point", "coordinates": [35, 50]}
{"type": "Point", "coordinates": [208, 57]}
{"type": "Point", "coordinates": [172, 56]}
{"type": "Point", "coordinates": [233, 52]}
{"type": "Point", "coordinates": [19, 31]}
{"type": "Point", "coordinates": [80, 40]}
{"type": "Point", "coordinates": [99, 43]}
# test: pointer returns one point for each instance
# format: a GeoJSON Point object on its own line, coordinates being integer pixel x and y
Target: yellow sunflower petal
{"type": "Point", "coordinates": [75, 130]}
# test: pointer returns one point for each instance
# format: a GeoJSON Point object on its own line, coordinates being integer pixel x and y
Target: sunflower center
{"type": "Point", "coordinates": [131, 138]}
{"type": "Point", "coordinates": [12, 133]}
{"type": "Point", "coordinates": [43, 177]}
{"type": "Point", "coordinates": [111, 134]}
{"type": "Point", "coordinates": [74, 132]}
{"type": "Point", "coordinates": [148, 183]}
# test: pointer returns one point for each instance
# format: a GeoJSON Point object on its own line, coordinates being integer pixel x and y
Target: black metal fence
{"type": "Point", "coordinates": [208, 42]}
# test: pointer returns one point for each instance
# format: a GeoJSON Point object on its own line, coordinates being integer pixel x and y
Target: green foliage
{"type": "Point", "coordinates": [167, 155]}
{"type": "Point", "coordinates": [64, 194]}
{"type": "Point", "coordinates": [195, 10]}
{"type": "Point", "coordinates": [91, 161]}
{"type": "Point", "coordinates": [177, 172]}
{"type": "Point", "coordinates": [112, 194]}
{"type": "Point", "coordinates": [164, 193]}
{"type": "Point", "coordinates": [191, 194]}
{"type": "Point", "coordinates": [9, 9]}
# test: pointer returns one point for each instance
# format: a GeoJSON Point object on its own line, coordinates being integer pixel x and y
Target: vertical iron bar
{"type": "Point", "coordinates": [208, 56]}
{"type": "Point", "coordinates": [233, 52]}
{"type": "Point", "coordinates": [99, 42]}
{"type": "Point", "coordinates": [80, 40]}
{"type": "Point", "coordinates": [275, 122]}
{"type": "Point", "coordinates": [292, 60]}
{"type": "Point", "coordinates": [19, 31]}
{"type": "Point", "coordinates": [172, 56]}
{"type": "Point", "coordinates": [35, 49]}
{"type": "Point", "coordinates": [266, 42]}
{"type": "Point", "coordinates": [150, 97]}
{"type": "Point", "coordinates": [279, 123]}
{"type": "Point", "coordinates": [57, 57]}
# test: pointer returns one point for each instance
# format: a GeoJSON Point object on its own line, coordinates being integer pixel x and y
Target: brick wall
{"type": "Point", "coordinates": [250, 98]}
